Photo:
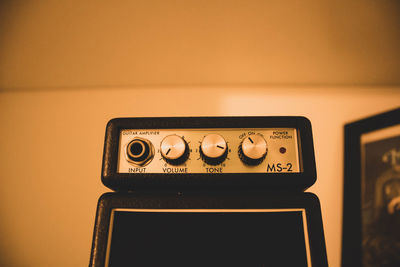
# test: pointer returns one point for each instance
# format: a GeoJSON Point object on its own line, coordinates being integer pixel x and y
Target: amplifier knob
{"type": "Point", "coordinates": [253, 149]}
{"type": "Point", "coordinates": [174, 149]}
{"type": "Point", "coordinates": [213, 149]}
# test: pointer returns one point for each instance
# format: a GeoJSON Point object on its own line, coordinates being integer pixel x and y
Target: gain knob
{"type": "Point", "coordinates": [253, 149]}
{"type": "Point", "coordinates": [213, 149]}
{"type": "Point", "coordinates": [174, 149]}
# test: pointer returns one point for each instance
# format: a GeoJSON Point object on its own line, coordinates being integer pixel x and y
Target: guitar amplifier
{"type": "Point", "coordinates": [208, 191]}
{"type": "Point", "coordinates": [208, 229]}
{"type": "Point", "coordinates": [209, 152]}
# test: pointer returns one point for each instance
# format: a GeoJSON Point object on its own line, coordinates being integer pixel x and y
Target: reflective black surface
{"type": "Point", "coordinates": [208, 239]}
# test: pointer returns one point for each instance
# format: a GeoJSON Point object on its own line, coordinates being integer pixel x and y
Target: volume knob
{"type": "Point", "coordinates": [213, 149]}
{"type": "Point", "coordinates": [253, 149]}
{"type": "Point", "coordinates": [174, 149]}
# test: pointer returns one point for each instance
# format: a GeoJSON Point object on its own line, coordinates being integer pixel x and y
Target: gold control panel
{"type": "Point", "coordinates": [185, 151]}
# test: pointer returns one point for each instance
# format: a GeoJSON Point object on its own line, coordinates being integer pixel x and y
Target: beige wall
{"type": "Point", "coordinates": [80, 43]}
{"type": "Point", "coordinates": [51, 151]}
{"type": "Point", "coordinates": [67, 67]}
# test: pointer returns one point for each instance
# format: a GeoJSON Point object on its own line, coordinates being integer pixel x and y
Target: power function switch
{"type": "Point", "coordinates": [253, 149]}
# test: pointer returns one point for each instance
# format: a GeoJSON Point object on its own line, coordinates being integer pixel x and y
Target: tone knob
{"type": "Point", "coordinates": [174, 149]}
{"type": "Point", "coordinates": [213, 149]}
{"type": "Point", "coordinates": [253, 149]}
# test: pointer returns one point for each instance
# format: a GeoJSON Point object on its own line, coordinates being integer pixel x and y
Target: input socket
{"type": "Point", "coordinates": [139, 152]}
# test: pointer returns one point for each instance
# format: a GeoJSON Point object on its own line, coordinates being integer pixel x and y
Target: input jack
{"type": "Point", "coordinates": [139, 152]}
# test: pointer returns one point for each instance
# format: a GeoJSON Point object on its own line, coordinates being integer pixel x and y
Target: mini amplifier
{"type": "Point", "coordinates": [208, 229]}
{"type": "Point", "coordinates": [212, 152]}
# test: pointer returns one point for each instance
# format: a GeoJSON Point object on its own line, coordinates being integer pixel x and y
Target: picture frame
{"type": "Point", "coordinates": [371, 201]}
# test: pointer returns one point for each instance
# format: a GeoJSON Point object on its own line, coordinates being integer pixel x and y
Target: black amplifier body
{"type": "Point", "coordinates": [208, 229]}
{"type": "Point", "coordinates": [208, 191]}
{"type": "Point", "coordinates": [209, 152]}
